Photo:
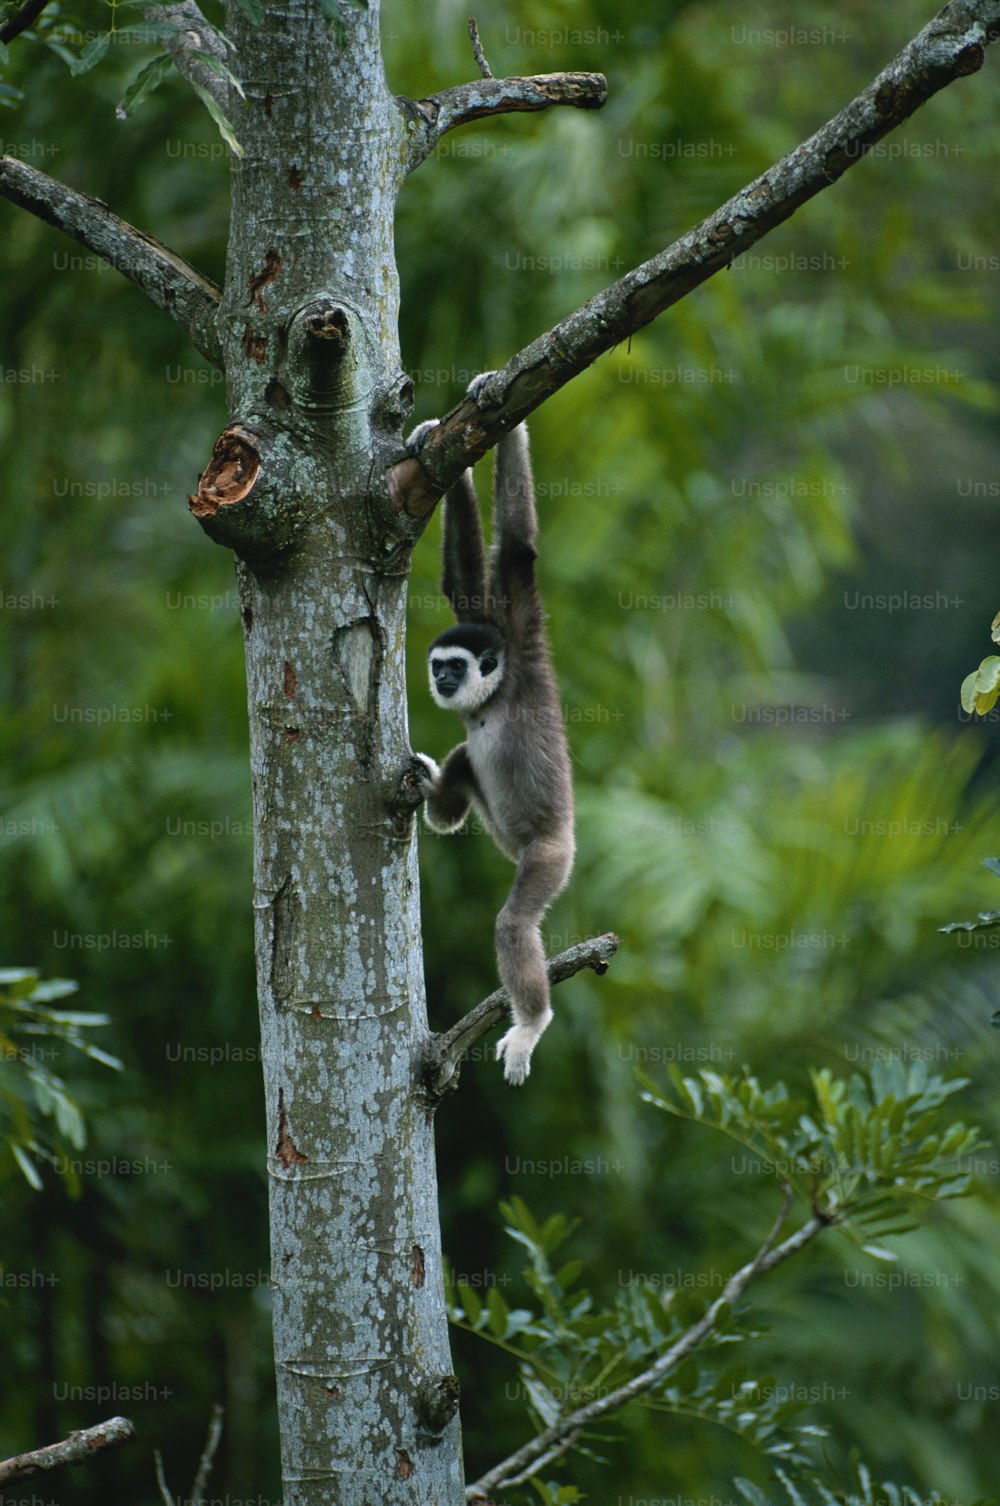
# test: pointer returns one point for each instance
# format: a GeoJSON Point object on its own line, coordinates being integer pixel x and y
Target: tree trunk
{"type": "Point", "coordinates": [308, 323]}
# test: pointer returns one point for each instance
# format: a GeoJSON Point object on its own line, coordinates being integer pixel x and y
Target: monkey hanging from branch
{"type": "Point", "coordinates": [495, 669]}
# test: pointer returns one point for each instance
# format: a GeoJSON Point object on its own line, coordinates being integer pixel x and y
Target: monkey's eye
{"type": "Point", "coordinates": [488, 663]}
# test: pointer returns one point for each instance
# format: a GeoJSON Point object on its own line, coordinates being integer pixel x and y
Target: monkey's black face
{"type": "Point", "coordinates": [448, 674]}
{"type": "Point", "coordinates": [466, 666]}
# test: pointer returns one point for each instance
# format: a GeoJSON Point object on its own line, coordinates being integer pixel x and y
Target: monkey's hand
{"type": "Point", "coordinates": [426, 772]}
{"type": "Point", "coordinates": [478, 383]}
{"type": "Point", "coordinates": [415, 442]}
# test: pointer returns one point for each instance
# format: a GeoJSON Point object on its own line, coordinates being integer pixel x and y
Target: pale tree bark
{"type": "Point", "coordinates": [307, 485]}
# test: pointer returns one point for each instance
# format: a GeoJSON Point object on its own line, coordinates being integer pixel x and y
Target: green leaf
{"type": "Point", "coordinates": [253, 10]}
{"type": "Point", "coordinates": [27, 1166]}
{"type": "Point", "coordinates": [498, 1311]}
{"type": "Point", "coordinates": [145, 81]}
{"type": "Point", "coordinates": [92, 54]}
{"type": "Point", "coordinates": [221, 119]}
{"type": "Point", "coordinates": [216, 65]}
{"type": "Point", "coordinates": [469, 1298]}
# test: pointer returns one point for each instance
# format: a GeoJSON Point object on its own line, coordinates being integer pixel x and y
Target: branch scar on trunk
{"type": "Point", "coordinates": [273, 268]}
{"type": "Point", "coordinates": [286, 1150]}
{"type": "Point", "coordinates": [231, 473]}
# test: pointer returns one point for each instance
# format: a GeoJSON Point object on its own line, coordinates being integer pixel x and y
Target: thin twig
{"type": "Point", "coordinates": [523, 1464]}
{"type": "Point", "coordinates": [477, 48]}
{"type": "Point", "coordinates": [161, 1482]}
{"type": "Point", "coordinates": [76, 1449]}
{"type": "Point", "coordinates": [207, 1455]}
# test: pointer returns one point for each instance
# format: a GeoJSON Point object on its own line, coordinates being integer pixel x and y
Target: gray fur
{"type": "Point", "coordinates": [514, 766]}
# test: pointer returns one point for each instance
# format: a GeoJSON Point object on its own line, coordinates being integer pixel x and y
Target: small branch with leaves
{"type": "Point", "coordinates": [554, 1441]}
{"type": "Point", "coordinates": [867, 1156]}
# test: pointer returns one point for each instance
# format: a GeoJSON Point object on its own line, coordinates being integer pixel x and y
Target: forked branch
{"type": "Point", "coordinates": [949, 47]}
{"type": "Point", "coordinates": [165, 278]}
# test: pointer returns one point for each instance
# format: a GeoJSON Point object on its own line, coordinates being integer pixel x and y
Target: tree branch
{"type": "Point", "coordinates": [440, 113]}
{"type": "Point", "coordinates": [950, 47]}
{"type": "Point", "coordinates": [194, 34]}
{"type": "Point", "coordinates": [76, 1449]}
{"type": "Point", "coordinates": [556, 1439]}
{"type": "Point", "coordinates": [446, 1050]}
{"type": "Point", "coordinates": [21, 19]}
{"type": "Point", "coordinates": [165, 278]}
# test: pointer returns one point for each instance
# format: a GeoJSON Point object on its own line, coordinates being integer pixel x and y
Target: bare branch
{"type": "Point", "coordinates": [950, 47]}
{"type": "Point", "coordinates": [446, 1050]}
{"type": "Point", "coordinates": [165, 278]}
{"type": "Point", "coordinates": [194, 34]}
{"type": "Point", "coordinates": [207, 1456]}
{"type": "Point", "coordinates": [477, 49]}
{"type": "Point", "coordinates": [558, 1437]}
{"type": "Point", "coordinates": [76, 1449]}
{"type": "Point", "coordinates": [161, 1480]}
{"type": "Point", "coordinates": [21, 19]}
{"type": "Point", "coordinates": [440, 113]}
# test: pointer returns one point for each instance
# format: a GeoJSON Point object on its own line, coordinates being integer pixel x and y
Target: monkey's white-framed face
{"type": "Point", "coordinates": [461, 680]}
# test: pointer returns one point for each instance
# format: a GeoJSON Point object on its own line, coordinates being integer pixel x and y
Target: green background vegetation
{"type": "Point", "coordinates": [779, 797]}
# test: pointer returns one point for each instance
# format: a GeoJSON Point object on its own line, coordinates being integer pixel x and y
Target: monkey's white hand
{"type": "Point", "coordinates": [427, 772]}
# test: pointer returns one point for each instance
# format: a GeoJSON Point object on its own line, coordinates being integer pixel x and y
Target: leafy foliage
{"type": "Point", "coordinates": [29, 1089]}
{"type": "Point", "coordinates": [862, 1490]}
{"type": "Point", "coordinates": [867, 1155]}
{"type": "Point", "coordinates": [981, 689]}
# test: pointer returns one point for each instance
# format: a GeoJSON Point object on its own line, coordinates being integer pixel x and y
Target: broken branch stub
{"type": "Point", "coordinates": [234, 510]}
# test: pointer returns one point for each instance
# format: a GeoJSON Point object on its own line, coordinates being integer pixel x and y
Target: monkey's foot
{"type": "Point", "coordinates": [514, 1050]}
{"type": "Point", "coordinates": [414, 442]}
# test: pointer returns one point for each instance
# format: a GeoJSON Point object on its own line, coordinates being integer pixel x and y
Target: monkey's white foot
{"type": "Point", "coordinates": [416, 439]}
{"type": "Point", "coordinates": [514, 1050]}
{"type": "Point", "coordinates": [478, 383]}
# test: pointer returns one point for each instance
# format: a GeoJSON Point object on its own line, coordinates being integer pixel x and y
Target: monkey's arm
{"type": "Point", "coordinates": [448, 790]}
{"type": "Point", "coordinates": [463, 578]}
{"type": "Point", "coordinates": [515, 525]}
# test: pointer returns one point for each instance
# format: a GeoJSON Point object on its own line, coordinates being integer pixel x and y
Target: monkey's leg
{"type": "Point", "coordinates": [542, 872]}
